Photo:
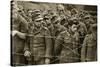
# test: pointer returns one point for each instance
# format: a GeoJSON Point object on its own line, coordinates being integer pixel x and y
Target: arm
{"type": "Point", "coordinates": [20, 34]}
{"type": "Point", "coordinates": [23, 27]}
{"type": "Point", "coordinates": [83, 50]}
{"type": "Point", "coordinates": [85, 29]}
{"type": "Point", "coordinates": [49, 45]}
{"type": "Point", "coordinates": [27, 52]}
{"type": "Point", "coordinates": [58, 46]}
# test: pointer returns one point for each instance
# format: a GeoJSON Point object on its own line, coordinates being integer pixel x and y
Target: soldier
{"type": "Point", "coordinates": [65, 46]}
{"type": "Point", "coordinates": [74, 12]}
{"type": "Point", "coordinates": [58, 27]}
{"type": "Point", "coordinates": [89, 47]}
{"type": "Point", "coordinates": [29, 16]}
{"type": "Point", "coordinates": [75, 37]}
{"type": "Point", "coordinates": [47, 20]}
{"type": "Point", "coordinates": [50, 27]}
{"type": "Point", "coordinates": [87, 21]}
{"type": "Point", "coordinates": [39, 43]}
{"type": "Point", "coordinates": [60, 9]}
{"type": "Point", "coordinates": [82, 30]}
{"type": "Point", "coordinates": [19, 28]}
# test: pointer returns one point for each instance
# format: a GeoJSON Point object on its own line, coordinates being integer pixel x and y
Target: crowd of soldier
{"type": "Point", "coordinates": [47, 37]}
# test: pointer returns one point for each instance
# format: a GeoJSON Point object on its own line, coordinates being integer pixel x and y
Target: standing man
{"type": "Point", "coordinates": [89, 47]}
{"type": "Point", "coordinates": [65, 46]}
{"type": "Point", "coordinates": [19, 28]}
{"type": "Point", "coordinates": [39, 44]}
{"type": "Point", "coordinates": [82, 30]}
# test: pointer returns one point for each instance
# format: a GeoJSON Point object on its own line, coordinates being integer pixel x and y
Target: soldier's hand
{"type": "Point", "coordinates": [21, 35]}
{"type": "Point", "coordinates": [27, 53]}
{"type": "Point", "coordinates": [47, 61]}
{"type": "Point", "coordinates": [13, 33]}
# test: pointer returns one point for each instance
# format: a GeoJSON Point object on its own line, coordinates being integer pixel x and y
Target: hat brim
{"type": "Point", "coordinates": [39, 19]}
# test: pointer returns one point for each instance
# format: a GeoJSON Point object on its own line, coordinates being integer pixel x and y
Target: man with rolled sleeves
{"type": "Point", "coordinates": [18, 29]}
{"type": "Point", "coordinates": [38, 46]}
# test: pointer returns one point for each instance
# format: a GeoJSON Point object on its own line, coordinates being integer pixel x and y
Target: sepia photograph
{"type": "Point", "coordinates": [52, 33]}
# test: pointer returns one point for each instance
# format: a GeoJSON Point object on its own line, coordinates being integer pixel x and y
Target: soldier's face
{"type": "Point", "coordinates": [22, 12]}
{"type": "Point", "coordinates": [74, 28]}
{"type": "Point", "coordinates": [38, 23]}
{"type": "Point", "coordinates": [86, 19]}
{"type": "Point", "coordinates": [61, 11]}
{"type": "Point", "coordinates": [47, 20]}
{"type": "Point", "coordinates": [14, 13]}
{"type": "Point", "coordinates": [87, 22]}
{"type": "Point", "coordinates": [56, 24]}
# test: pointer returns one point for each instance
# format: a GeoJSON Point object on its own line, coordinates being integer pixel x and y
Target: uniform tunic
{"type": "Point", "coordinates": [89, 49]}
{"type": "Point", "coordinates": [19, 24]}
{"type": "Point", "coordinates": [39, 44]}
{"type": "Point", "coordinates": [64, 48]}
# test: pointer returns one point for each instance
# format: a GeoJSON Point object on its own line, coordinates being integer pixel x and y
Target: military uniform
{"type": "Point", "coordinates": [82, 30]}
{"type": "Point", "coordinates": [39, 44]}
{"type": "Point", "coordinates": [76, 57]}
{"type": "Point", "coordinates": [64, 48]}
{"type": "Point", "coordinates": [19, 24]}
{"type": "Point", "coordinates": [89, 48]}
{"type": "Point", "coordinates": [58, 27]}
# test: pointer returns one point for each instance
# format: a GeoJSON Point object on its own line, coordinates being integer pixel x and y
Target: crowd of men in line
{"type": "Point", "coordinates": [48, 37]}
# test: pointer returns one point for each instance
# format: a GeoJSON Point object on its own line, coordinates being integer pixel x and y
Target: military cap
{"type": "Point", "coordinates": [74, 10]}
{"type": "Point", "coordinates": [46, 15]}
{"type": "Point", "coordinates": [87, 16]}
{"type": "Point", "coordinates": [60, 7]}
{"type": "Point", "coordinates": [36, 12]}
{"type": "Point", "coordinates": [30, 11]}
{"type": "Point", "coordinates": [45, 12]}
{"type": "Point", "coordinates": [54, 15]}
{"type": "Point", "coordinates": [75, 21]}
{"type": "Point", "coordinates": [81, 15]}
{"type": "Point", "coordinates": [38, 18]}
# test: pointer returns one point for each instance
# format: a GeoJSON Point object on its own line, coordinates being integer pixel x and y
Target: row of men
{"type": "Point", "coordinates": [43, 38]}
